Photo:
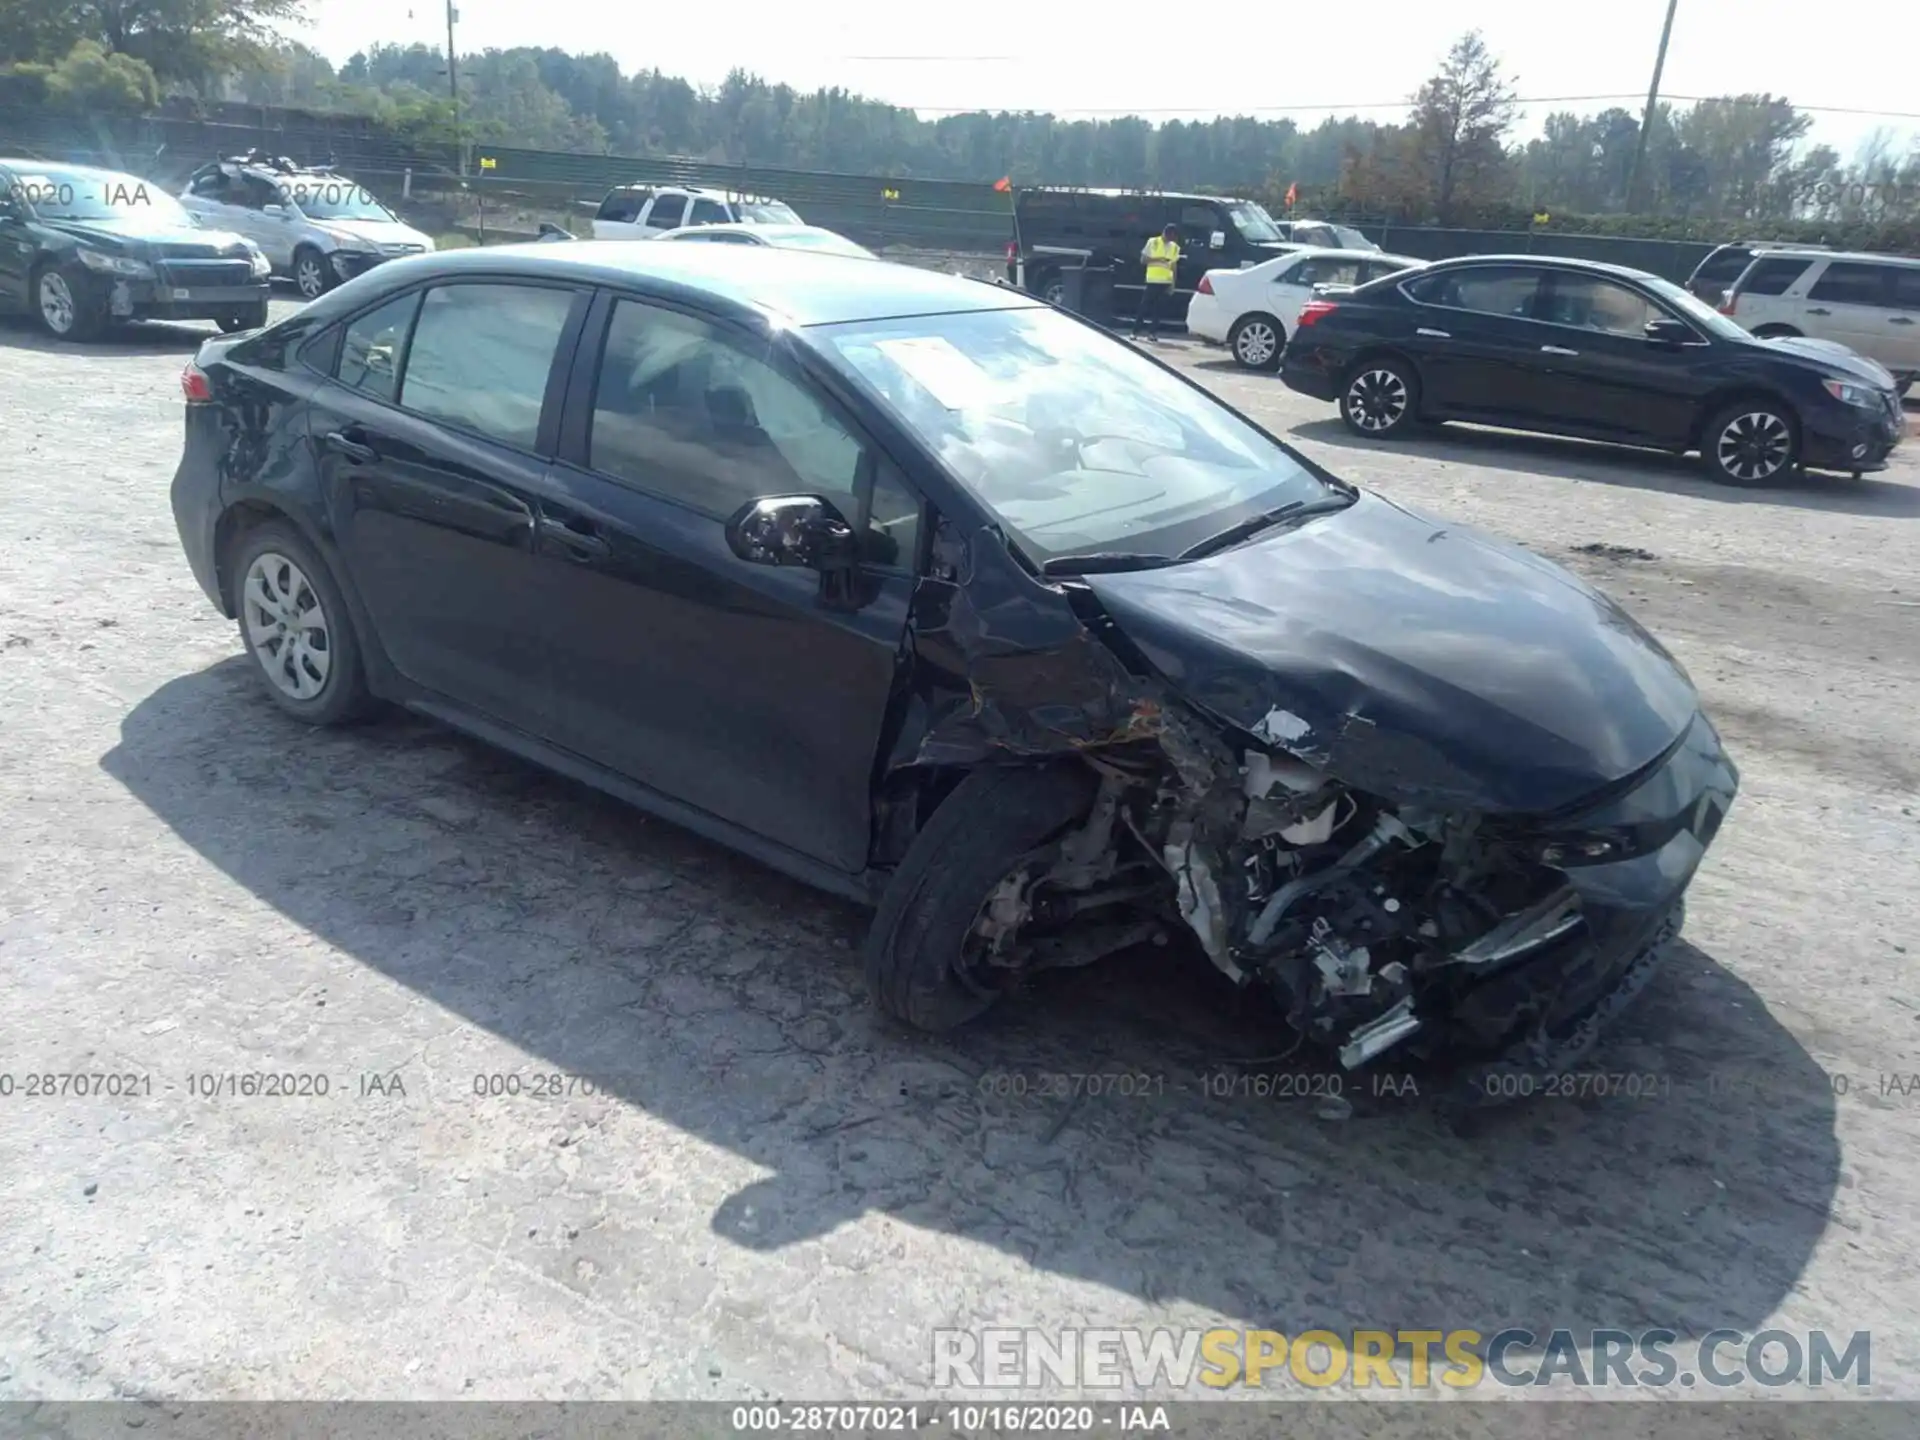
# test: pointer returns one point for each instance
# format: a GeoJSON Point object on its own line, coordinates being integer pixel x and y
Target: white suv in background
{"type": "Point", "coordinates": [1252, 311]}
{"type": "Point", "coordinates": [318, 228]}
{"type": "Point", "coordinates": [1868, 303]}
{"type": "Point", "coordinates": [636, 212]}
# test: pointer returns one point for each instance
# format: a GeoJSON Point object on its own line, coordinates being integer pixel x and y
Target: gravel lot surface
{"type": "Point", "coordinates": [767, 1193]}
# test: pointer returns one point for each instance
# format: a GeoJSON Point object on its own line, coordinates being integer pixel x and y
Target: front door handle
{"type": "Point", "coordinates": [1557, 350]}
{"type": "Point", "coordinates": [1434, 334]}
{"type": "Point", "coordinates": [342, 444]}
{"type": "Point", "coordinates": [1818, 311]}
{"type": "Point", "coordinates": [1901, 320]}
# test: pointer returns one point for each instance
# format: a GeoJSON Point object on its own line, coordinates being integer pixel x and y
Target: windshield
{"type": "Point", "coordinates": [823, 240]}
{"type": "Point", "coordinates": [1351, 239]}
{"type": "Point", "coordinates": [1694, 308]}
{"type": "Point", "coordinates": [58, 193]}
{"type": "Point", "coordinates": [334, 198]}
{"type": "Point", "coordinates": [1078, 444]}
{"type": "Point", "coordinates": [1252, 222]}
{"type": "Point", "coordinates": [764, 212]}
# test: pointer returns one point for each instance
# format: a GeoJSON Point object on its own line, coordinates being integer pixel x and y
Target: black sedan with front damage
{"type": "Point", "coordinates": [951, 603]}
{"type": "Point", "coordinates": [82, 249]}
{"type": "Point", "coordinates": [1599, 352]}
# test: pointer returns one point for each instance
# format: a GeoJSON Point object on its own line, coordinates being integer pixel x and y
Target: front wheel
{"type": "Point", "coordinates": [1752, 442]}
{"type": "Point", "coordinates": [67, 303]}
{"type": "Point", "coordinates": [312, 276]}
{"type": "Point", "coordinates": [1381, 400]}
{"type": "Point", "coordinates": [1256, 342]}
{"type": "Point", "coordinates": [930, 954]}
{"type": "Point", "coordinates": [254, 317]}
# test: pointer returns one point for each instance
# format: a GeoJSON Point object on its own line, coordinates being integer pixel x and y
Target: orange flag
{"type": "Point", "coordinates": [1293, 191]}
{"type": "Point", "coordinates": [1003, 184]}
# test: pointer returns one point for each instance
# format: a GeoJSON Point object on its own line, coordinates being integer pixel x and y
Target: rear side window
{"type": "Point", "coordinates": [1485, 289]}
{"type": "Point", "coordinates": [1772, 275]}
{"type": "Point", "coordinates": [623, 206]}
{"type": "Point", "coordinates": [481, 355]}
{"type": "Point", "coordinates": [708, 212]}
{"type": "Point", "coordinates": [669, 208]}
{"type": "Point", "coordinates": [1848, 282]}
{"type": "Point", "coordinates": [370, 353]}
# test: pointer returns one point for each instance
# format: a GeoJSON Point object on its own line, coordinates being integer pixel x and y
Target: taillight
{"type": "Point", "coordinates": [1205, 287]}
{"type": "Point", "coordinates": [1311, 312]}
{"type": "Point", "coordinates": [194, 385]}
{"type": "Point", "coordinates": [1013, 251]}
{"type": "Point", "coordinates": [1729, 302]}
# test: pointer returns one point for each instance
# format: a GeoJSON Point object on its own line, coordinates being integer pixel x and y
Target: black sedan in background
{"type": "Point", "coordinates": [82, 248]}
{"type": "Point", "coordinates": [950, 602]}
{"type": "Point", "coordinates": [1599, 352]}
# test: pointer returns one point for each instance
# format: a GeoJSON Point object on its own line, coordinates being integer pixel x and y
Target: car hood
{"type": "Point", "coordinates": [117, 234]}
{"type": "Point", "coordinates": [1831, 355]}
{"type": "Point", "coordinates": [1412, 658]}
{"type": "Point", "coordinates": [370, 232]}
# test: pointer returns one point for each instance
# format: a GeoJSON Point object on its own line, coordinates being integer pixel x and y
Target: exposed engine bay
{"type": "Point", "coordinates": [1358, 914]}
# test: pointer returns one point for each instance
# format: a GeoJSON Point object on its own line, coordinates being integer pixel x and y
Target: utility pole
{"type": "Point", "coordinates": [453, 85]}
{"type": "Point", "coordinates": [1646, 120]}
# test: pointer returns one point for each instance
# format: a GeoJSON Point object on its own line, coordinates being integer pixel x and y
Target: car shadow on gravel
{"type": "Point", "coordinates": [144, 338]}
{"type": "Point", "coordinates": [1125, 1125]}
{"type": "Point", "coordinates": [1618, 465]}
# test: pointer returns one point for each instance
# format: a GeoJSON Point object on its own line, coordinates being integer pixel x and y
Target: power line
{"type": "Point", "coordinates": [1126, 110]}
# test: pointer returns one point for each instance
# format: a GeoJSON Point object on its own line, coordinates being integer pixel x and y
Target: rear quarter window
{"type": "Point", "coordinates": [1723, 265]}
{"type": "Point", "coordinates": [1772, 275]}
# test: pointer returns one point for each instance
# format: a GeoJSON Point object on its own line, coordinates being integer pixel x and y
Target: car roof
{"type": "Point", "coordinates": [1549, 262]}
{"type": "Point", "coordinates": [701, 192]}
{"type": "Point", "coordinates": [802, 287]}
{"type": "Point", "coordinates": [757, 231]}
{"type": "Point", "coordinates": [1873, 257]}
{"type": "Point", "coordinates": [1120, 193]}
{"type": "Point", "coordinates": [36, 166]}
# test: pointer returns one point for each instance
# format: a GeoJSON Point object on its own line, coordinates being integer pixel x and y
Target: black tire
{"type": "Point", "coordinates": [87, 302]}
{"type": "Point", "coordinates": [1246, 336]}
{"type": "Point", "coordinates": [993, 818]}
{"type": "Point", "coordinates": [1381, 399]}
{"type": "Point", "coordinates": [309, 263]}
{"type": "Point", "coordinates": [1750, 443]}
{"type": "Point", "coordinates": [342, 696]}
{"type": "Point", "coordinates": [254, 317]}
{"type": "Point", "coordinates": [1050, 287]}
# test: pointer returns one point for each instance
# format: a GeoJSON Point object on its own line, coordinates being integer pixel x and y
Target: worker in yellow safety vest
{"type": "Point", "coordinates": [1161, 256]}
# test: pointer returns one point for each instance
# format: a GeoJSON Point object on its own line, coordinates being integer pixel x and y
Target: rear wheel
{"type": "Point", "coordinates": [1382, 399]}
{"type": "Point", "coordinates": [930, 953]}
{"type": "Point", "coordinates": [1052, 289]}
{"type": "Point", "coordinates": [1256, 342]}
{"type": "Point", "coordinates": [295, 625]}
{"type": "Point", "coordinates": [1751, 442]}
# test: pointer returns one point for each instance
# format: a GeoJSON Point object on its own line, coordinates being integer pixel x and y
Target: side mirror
{"type": "Point", "coordinates": [1668, 332]}
{"type": "Point", "coordinates": [800, 530]}
{"type": "Point", "coordinates": [1217, 240]}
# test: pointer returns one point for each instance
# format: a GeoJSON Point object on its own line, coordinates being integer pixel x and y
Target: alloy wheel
{"type": "Point", "coordinates": [1377, 400]}
{"type": "Point", "coordinates": [309, 278]}
{"type": "Point", "coordinates": [287, 626]}
{"type": "Point", "coordinates": [1256, 344]}
{"type": "Point", "coordinates": [56, 302]}
{"type": "Point", "coordinates": [1755, 446]}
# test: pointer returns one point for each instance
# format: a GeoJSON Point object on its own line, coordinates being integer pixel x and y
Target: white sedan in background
{"type": "Point", "coordinates": [1252, 311]}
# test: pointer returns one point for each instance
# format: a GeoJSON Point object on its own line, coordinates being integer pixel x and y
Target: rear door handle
{"type": "Point", "coordinates": [1557, 350]}
{"type": "Point", "coordinates": [1434, 334]}
{"type": "Point", "coordinates": [342, 444]}
{"type": "Point", "coordinates": [1901, 320]}
{"type": "Point", "coordinates": [1818, 311]}
{"type": "Point", "coordinates": [577, 537]}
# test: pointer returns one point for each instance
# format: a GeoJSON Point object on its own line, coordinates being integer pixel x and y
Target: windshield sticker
{"type": "Point", "coordinates": [946, 372]}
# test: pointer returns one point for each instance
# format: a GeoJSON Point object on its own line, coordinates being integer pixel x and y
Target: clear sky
{"type": "Point", "coordinates": [1289, 58]}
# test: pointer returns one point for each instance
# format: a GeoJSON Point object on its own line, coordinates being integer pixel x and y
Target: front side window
{"type": "Point", "coordinates": [1074, 441]}
{"type": "Point", "coordinates": [1906, 288]}
{"type": "Point", "coordinates": [689, 412]}
{"type": "Point", "coordinates": [370, 352]}
{"type": "Point", "coordinates": [1484, 289]}
{"type": "Point", "coordinates": [1849, 282]}
{"type": "Point", "coordinates": [1588, 302]}
{"type": "Point", "coordinates": [481, 355]}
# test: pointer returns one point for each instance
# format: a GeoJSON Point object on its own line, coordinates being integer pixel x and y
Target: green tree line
{"type": "Point", "coordinates": [1455, 159]}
